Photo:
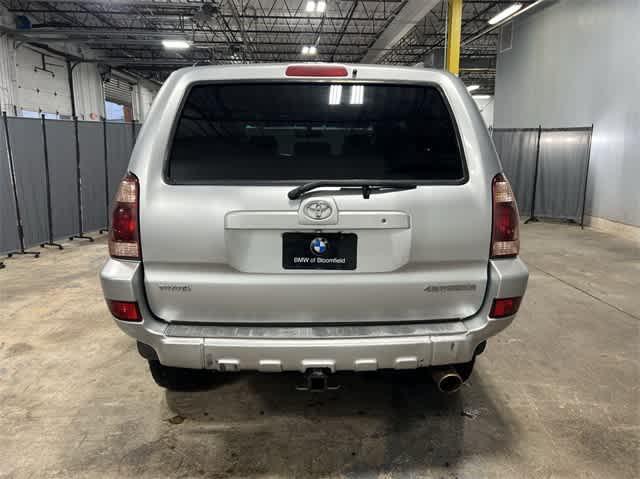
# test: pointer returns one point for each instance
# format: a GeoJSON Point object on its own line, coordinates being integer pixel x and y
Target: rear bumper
{"type": "Point", "coordinates": [349, 348]}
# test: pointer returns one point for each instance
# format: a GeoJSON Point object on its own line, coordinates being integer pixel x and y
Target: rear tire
{"type": "Point", "coordinates": [180, 379]}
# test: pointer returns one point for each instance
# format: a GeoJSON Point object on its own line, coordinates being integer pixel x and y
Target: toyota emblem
{"type": "Point", "coordinates": [318, 210]}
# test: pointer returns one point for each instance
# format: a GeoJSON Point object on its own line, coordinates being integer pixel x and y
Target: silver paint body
{"type": "Point", "coordinates": [244, 311]}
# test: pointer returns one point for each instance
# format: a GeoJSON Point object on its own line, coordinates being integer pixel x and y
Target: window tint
{"type": "Point", "coordinates": [314, 131]}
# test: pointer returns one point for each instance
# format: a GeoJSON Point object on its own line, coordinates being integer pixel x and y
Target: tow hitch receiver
{"type": "Point", "coordinates": [316, 381]}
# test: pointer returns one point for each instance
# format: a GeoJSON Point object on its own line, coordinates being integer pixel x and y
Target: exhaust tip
{"type": "Point", "coordinates": [447, 379]}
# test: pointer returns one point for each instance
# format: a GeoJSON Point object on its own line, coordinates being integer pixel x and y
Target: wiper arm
{"type": "Point", "coordinates": [367, 186]}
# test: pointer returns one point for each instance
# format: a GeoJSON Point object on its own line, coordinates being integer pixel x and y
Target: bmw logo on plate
{"type": "Point", "coordinates": [319, 246]}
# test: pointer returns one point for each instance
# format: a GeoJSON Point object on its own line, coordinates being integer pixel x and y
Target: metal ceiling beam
{"type": "Point", "coordinates": [263, 30]}
{"type": "Point", "coordinates": [186, 16]}
{"type": "Point", "coordinates": [345, 25]}
{"type": "Point", "coordinates": [136, 31]}
{"type": "Point", "coordinates": [411, 14]}
{"type": "Point", "coordinates": [468, 64]}
{"type": "Point", "coordinates": [191, 5]}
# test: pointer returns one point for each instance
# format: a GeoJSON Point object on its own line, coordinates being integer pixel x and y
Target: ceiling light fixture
{"type": "Point", "coordinates": [481, 97]}
{"type": "Point", "coordinates": [506, 13]}
{"type": "Point", "coordinates": [473, 87]}
{"type": "Point", "coordinates": [309, 50]}
{"type": "Point", "coordinates": [312, 6]}
{"type": "Point", "coordinates": [175, 44]}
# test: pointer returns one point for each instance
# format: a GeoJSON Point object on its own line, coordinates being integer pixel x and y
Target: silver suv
{"type": "Point", "coordinates": [313, 218]}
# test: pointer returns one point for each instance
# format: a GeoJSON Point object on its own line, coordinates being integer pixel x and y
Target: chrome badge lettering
{"type": "Point", "coordinates": [174, 288]}
{"type": "Point", "coordinates": [448, 288]}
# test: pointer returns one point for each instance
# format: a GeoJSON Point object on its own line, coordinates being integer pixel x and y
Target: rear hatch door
{"type": "Point", "coordinates": [223, 243]}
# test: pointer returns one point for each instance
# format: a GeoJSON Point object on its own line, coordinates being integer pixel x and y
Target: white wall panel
{"type": "Point", "coordinates": [7, 66]}
{"type": "Point", "coordinates": [42, 90]}
{"type": "Point", "coordinates": [143, 95]}
{"type": "Point", "coordinates": [7, 75]}
{"type": "Point", "coordinates": [575, 63]}
{"type": "Point", "coordinates": [88, 91]}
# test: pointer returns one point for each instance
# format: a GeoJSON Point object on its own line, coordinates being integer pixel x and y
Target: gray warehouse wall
{"type": "Point", "coordinates": [575, 63]}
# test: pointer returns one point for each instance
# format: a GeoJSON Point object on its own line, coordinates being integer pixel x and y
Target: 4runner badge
{"type": "Point", "coordinates": [446, 288]}
{"type": "Point", "coordinates": [175, 288]}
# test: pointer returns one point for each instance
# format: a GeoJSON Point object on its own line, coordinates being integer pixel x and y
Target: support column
{"type": "Point", "coordinates": [454, 32]}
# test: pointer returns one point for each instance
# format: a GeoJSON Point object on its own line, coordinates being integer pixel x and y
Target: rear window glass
{"type": "Point", "coordinates": [314, 131]}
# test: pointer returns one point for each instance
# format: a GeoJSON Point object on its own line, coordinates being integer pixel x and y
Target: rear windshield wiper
{"type": "Point", "coordinates": [367, 186]}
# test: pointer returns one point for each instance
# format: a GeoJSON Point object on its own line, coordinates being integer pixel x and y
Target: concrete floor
{"type": "Point", "coordinates": [556, 395]}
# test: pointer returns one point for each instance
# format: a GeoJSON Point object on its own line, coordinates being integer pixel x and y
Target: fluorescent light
{"type": "Point", "coordinates": [506, 13]}
{"type": "Point", "coordinates": [357, 94]}
{"type": "Point", "coordinates": [321, 6]}
{"type": "Point", "coordinates": [311, 6]}
{"type": "Point", "coordinates": [175, 44]}
{"type": "Point", "coordinates": [313, 50]}
{"type": "Point", "coordinates": [481, 97]}
{"type": "Point", "coordinates": [305, 50]}
{"type": "Point", "coordinates": [335, 92]}
{"type": "Point", "coordinates": [473, 87]}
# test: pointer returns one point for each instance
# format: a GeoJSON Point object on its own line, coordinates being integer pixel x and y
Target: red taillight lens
{"type": "Point", "coordinates": [315, 71]}
{"type": "Point", "coordinates": [505, 237]}
{"type": "Point", "coordinates": [124, 238]}
{"type": "Point", "coordinates": [503, 307]}
{"type": "Point", "coordinates": [125, 310]}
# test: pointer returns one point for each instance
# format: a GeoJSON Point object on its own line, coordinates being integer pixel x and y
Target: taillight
{"type": "Point", "coordinates": [125, 310]}
{"type": "Point", "coordinates": [316, 71]}
{"type": "Point", "coordinates": [505, 237]}
{"type": "Point", "coordinates": [503, 307]}
{"type": "Point", "coordinates": [124, 239]}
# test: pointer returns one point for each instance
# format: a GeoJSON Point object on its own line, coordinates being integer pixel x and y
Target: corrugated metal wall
{"type": "Point", "coordinates": [143, 95]}
{"type": "Point", "coordinates": [7, 75]}
{"type": "Point", "coordinates": [24, 84]}
{"type": "Point", "coordinates": [88, 92]}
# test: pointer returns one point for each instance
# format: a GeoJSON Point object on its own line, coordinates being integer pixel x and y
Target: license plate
{"type": "Point", "coordinates": [319, 251]}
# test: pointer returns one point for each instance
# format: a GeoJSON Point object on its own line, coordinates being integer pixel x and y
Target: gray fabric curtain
{"type": "Point", "coordinates": [8, 225]}
{"type": "Point", "coordinates": [61, 149]}
{"type": "Point", "coordinates": [94, 208]}
{"type": "Point", "coordinates": [517, 152]}
{"type": "Point", "coordinates": [563, 163]}
{"type": "Point", "coordinates": [119, 146]}
{"type": "Point", "coordinates": [28, 152]}
{"type": "Point", "coordinates": [25, 135]}
{"type": "Point", "coordinates": [564, 156]}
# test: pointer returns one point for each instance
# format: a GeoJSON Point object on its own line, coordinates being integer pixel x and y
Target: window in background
{"type": "Point", "coordinates": [114, 111]}
{"type": "Point", "coordinates": [36, 114]}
